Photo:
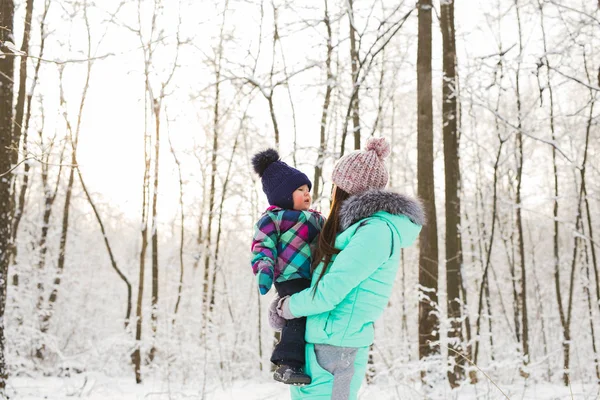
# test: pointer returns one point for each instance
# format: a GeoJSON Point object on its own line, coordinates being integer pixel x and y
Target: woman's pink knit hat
{"type": "Point", "coordinates": [361, 170]}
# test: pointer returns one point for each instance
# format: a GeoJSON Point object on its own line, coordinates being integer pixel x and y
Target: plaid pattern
{"type": "Point", "coordinates": [281, 247]}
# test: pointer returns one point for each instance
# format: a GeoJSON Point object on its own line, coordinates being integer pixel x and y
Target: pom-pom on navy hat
{"type": "Point", "coordinates": [279, 180]}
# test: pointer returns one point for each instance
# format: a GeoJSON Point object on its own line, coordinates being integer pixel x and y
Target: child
{"type": "Point", "coordinates": [281, 250]}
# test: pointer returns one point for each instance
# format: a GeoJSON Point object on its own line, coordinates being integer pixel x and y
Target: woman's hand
{"type": "Point", "coordinates": [283, 308]}
{"type": "Point", "coordinates": [276, 322]}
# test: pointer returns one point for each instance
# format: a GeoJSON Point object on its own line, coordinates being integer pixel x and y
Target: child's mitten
{"type": "Point", "coordinates": [264, 278]}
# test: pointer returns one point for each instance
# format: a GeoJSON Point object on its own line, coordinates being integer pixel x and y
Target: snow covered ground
{"type": "Point", "coordinates": [100, 387]}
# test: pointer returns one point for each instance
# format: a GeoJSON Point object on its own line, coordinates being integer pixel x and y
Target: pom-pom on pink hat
{"type": "Point", "coordinates": [362, 170]}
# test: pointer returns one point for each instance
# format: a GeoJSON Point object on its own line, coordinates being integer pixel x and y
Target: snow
{"type": "Point", "coordinates": [101, 387]}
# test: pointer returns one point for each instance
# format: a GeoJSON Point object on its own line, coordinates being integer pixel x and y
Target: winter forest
{"type": "Point", "coordinates": [128, 200]}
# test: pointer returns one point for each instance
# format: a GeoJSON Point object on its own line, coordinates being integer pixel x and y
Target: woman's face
{"type": "Point", "coordinates": [301, 197]}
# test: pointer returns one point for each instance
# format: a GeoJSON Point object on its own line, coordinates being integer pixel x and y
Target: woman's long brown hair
{"type": "Point", "coordinates": [326, 244]}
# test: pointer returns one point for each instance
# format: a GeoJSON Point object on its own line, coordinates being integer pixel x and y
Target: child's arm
{"type": "Point", "coordinates": [264, 251]}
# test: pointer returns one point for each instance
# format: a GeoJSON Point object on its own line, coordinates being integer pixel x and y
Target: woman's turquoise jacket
{"type": "Point", "coordinates": [356, 288]}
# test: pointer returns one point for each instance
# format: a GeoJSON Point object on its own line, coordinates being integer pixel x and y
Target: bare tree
{"type": "Point", "coordinates": [49, 198]}
{"type": "Point", "coordinates": [20, 126]}
{"type": "Point", "coordinates": [7, 10]}
{"type": "Point", "coordinates": [147, 48]}
{"type": "Point", "coordinates": [268, 85]}
{"type": "Point", "coordinates": [277, 38]}
{"type": "Point", "coordinates": [182, 229]}
{"type": "Point", "coordinates": [565, 315]}
{"type": "Point", "coordinates": [73, 136]}
{"type": "Point", "coordinates": [329, 86]}
{"type": "Point", "coordinates": [154, 98]}
{"type": "Point", "coordinates": [520, 160]}
{"type": "Point", "coordinates": [452, 178]}
{"type": "Point", "coordinates": [136, 355]}
{"type": "Point", "coordinates": [592, 250]}
{"type": "Point", "coordinates": [484, 281]}
{"type": "Point", "coordinates": [556, 233]}
{"type": "Point", "coordinates": [354, 62]}
{"type": "Point", "coordinates": [24, 184]}
{"type": "Point", "coordinates": [385, 32]}
{"type": "Point", "coordinates": [428, 243]}
{"type": "Point", "coordinates": [224, 192]}
{"type": "Point", "coordinates": [588, 296]}
{"type": "Point", "coordinates": [213, 172]}
{"type": "Point", "coordinates": [541, 314]}
{"type": "Point", "coordinates": [590, 226]}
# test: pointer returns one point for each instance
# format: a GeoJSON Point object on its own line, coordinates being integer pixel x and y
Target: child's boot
{"type": "Point", "coordinates": [291, 375]}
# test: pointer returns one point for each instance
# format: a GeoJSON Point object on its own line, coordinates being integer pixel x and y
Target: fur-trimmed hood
{"type": "Point", "coordinates": [366, 204]}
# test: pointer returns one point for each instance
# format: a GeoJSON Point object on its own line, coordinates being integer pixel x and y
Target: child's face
{"type": "Point", "coordinates": [301, 198]}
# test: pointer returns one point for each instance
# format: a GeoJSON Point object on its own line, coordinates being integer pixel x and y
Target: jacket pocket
{"type": "Point", "coordinates": [328, 325]}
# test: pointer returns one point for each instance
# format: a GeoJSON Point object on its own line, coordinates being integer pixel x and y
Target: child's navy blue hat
{"type": "Point", "coordinates": [279, 180]}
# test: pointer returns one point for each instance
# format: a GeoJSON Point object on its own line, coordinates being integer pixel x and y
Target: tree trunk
{"type": "Point", "coordinates": [490, 318]}
{"type": "Point", "coordinates": [516, 303]}
{"type": "Point", "coordinates": [428, 245]}
{"type": "Point", "coordinates": [590, 226]}
{"type": "Point", "coordinates": [484, 279]}
{"type": "Point", "coordinates": [19, 122]}
{"type": "Point", "coordinates": [579, 229]}
{"type": "Point", "coordinates": [329, 88]}
{"type": "Point", "coordinates": [519, 144]}
{"type": "Point", "coordinates": [541, 316]}
{"type": "Point", "coordinates": [273, 119]}
{"type": "Point", "coordinates": [49, 194]}
{"type": "Point", "coordinates": [354, 62]}
{"type": "Point", "coordinates": [25, 183]}
{"type": "Point", "coordinates": [200, 242]}
{"type": "Point", "coordinates": [565, 317]}
{"type": "Point", "coordinates": [277, 39]}
{"type": "Point", "coordinates": [404, 324]}
{"type": "Point", "coordinates": [206, 297]}
{"type": "Point", "coordinates": [154, 315]}
{"type": "Point", "coordinates": [73, 137]}
{"type": "Point", "coordinates": [113, 261]}
{"type": "Point", "coordinates": [378, 124]}
{"type": "Point", "coordinates": [47, 314]}
{"type": "Point", "coordinates": [49, 197]}
{"type": "Point", "coordinates": [556, 232]}
{"type": "Point", "coordinates": [452, 179]}
{"type": "Point", "coordinates": [584, 185]}
{"type": "Point", "coordinates": [7, 10]}
{"type": "Point", "coordinates": [219, 222]}
{"type": "Point", "coordinates": [136, 356]}
{"type": "Point", "coordinates": [588, 296]}
{"type": "Point", "coordinates": [211, 208]}
{"type": "Point", "coordinates": [181, 233]}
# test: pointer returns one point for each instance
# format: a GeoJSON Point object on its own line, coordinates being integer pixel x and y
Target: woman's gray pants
{"type": "Point", "coordinates": [339, 362]}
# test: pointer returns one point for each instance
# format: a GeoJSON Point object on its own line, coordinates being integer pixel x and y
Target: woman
{"type": "Point", "coordinates": [357, 259]}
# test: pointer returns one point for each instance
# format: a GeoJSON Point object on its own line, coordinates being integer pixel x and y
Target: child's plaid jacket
{"type": "Point", "coordinates": [281, 247]}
